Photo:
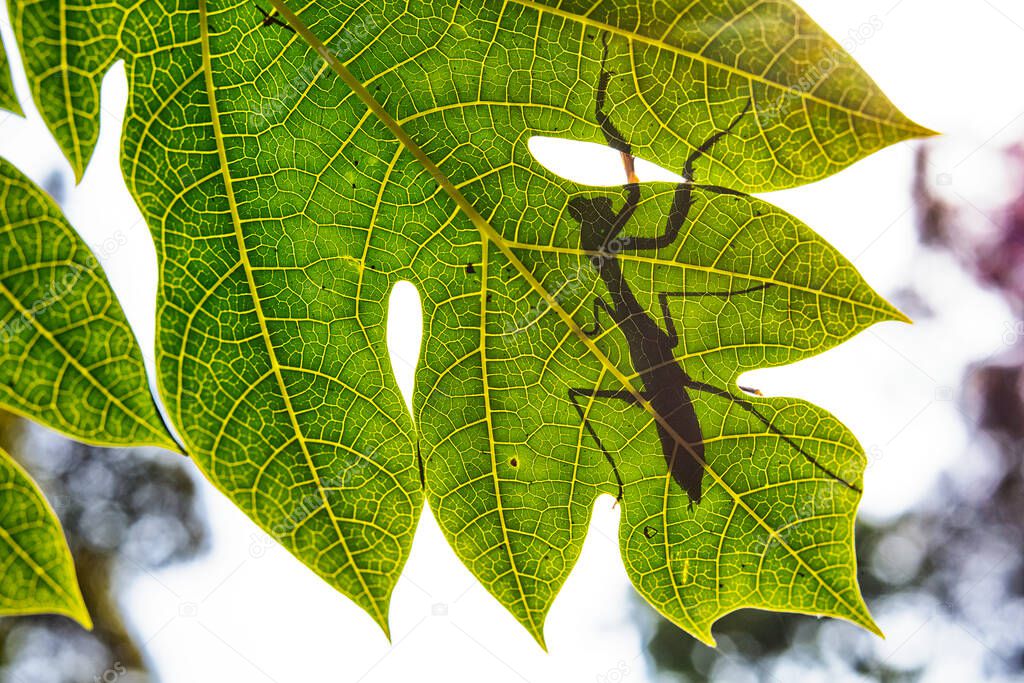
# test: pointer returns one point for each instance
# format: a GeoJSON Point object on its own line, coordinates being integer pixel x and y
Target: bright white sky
{"type": "Point", "coordinates": [248, 611]}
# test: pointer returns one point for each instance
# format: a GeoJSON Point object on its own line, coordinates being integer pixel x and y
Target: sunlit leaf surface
{"type": "Point", "coordinates": [290, 184]}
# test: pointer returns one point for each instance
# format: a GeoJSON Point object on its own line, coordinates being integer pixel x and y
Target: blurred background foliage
{"type": "Point", "coordinates": [124, 511]}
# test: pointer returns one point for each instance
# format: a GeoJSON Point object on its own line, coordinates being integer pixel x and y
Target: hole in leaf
{"type": "Point", "coordinates": [404, 336]}
{"type": "Point", "coordinates": [589, 163]}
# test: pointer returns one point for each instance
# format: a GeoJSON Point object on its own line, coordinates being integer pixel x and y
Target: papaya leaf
{"type": "Point", "coordinates": [294, 167]}
{"type": "Point", "coordinates": [67, 355]}
{"type": "Point", "coordinates": [38, 574]}
{"type": "Point", "coordinates": [8, 99]}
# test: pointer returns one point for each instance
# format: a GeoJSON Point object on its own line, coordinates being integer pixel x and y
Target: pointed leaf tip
{"type": "Point", "coordinates": [39, 573]}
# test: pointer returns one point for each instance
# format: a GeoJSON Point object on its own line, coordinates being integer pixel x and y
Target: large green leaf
{"type": "Point", "coordinates": [288, 195]}
{"type": "Point", "coordinates": [67, 355]}
{"type": "Point", "coordinates": [37, 574]}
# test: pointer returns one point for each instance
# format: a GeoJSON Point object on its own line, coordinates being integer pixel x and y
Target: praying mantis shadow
{"type": "Point", "coordinates": [666, 384]}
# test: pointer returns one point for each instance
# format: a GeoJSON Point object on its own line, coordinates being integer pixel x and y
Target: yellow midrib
{"type": "Point", "coordinates": [65, 75]}
{"type": "Point", "coordinates": [538, 633]}
{"type": "Point", "coordinates": [712, 270]}
{"type": "Point", "coordinates": [258, 307]}
{"type": "Point", "coordinates": [495, 238]}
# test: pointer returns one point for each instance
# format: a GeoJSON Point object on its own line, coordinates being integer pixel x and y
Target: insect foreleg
{"type": "Point", "coordinates": [625, 213]}
{"type": "Point", "coordinates": [752, 409]}
{"type": "Point", "coordinates": [621, 394]}
{"type": "Point", "coordinates": [677, 216]}
{"type": "Point", "coordinates": [682, 201]}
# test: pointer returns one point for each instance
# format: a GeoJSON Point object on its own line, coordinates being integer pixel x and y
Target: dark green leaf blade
{"type": "Point", "coordinates": [681, 69]}
{"type": "Point", "coordinates": [305, 428]}
{"type": "Point", "coordinates": [65, 70]}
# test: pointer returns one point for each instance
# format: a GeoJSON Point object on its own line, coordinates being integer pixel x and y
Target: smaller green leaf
{"type": "Point", "coordinates": [37, 574]}
{"type": "Point", "coordinates": [66, 47]}
{"type": "Point", "coordinates": [8, 100]}
{"type": "Point", "coordinates": [68, 358]}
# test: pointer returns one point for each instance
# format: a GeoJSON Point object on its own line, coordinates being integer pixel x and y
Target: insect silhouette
{"type": "Point", "coordinates": [666, 385]}
{"type": "Point", "coordinates": [271, 19]}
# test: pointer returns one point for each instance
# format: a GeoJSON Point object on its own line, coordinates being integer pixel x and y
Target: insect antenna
{"type": "Point", "coordinates": [616, 140]}
{"type": "Point", "coordinates": [705, 147]}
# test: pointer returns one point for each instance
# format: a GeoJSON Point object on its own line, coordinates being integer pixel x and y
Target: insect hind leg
{"type": "Point", "coordinates": [752, 409]}
{"type": "Point", "coordinates": [621, 394]}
